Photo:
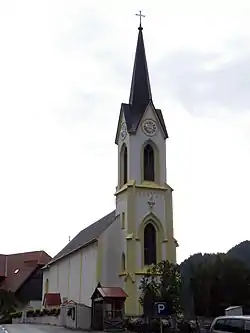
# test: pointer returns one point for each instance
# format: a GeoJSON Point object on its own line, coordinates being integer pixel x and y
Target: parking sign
{"type": "Point", "coordinates": [161, 309]}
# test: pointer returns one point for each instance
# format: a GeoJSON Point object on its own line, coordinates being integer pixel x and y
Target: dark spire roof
{"type": "Point", "coordinates": [140, 92]}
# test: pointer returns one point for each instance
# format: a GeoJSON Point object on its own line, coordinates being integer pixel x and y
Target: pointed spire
{"type": "Point", "coordinates": [140, 92]}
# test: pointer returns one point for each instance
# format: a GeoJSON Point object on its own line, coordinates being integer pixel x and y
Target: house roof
{"type": "Point", "coordinates": [112, 292]}
{"type": "Point", "coordinates": [20, 266]}
{"type": "Point", "coordinates": [2, 265]}
{"type": "Point", "coordinates": [51, 299]}
{"type": "Point", "coordinates": [87, 235]}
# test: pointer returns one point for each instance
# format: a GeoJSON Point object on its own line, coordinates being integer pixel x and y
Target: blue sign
{"type": "Point", "coordinates": [161, 309]}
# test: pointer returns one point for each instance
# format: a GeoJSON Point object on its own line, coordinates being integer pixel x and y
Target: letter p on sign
{"type": "Point", "coordinates": [161, 309]}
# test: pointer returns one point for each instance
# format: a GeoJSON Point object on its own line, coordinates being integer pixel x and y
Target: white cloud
{"type": "Point", "coordinates": [66, 67]}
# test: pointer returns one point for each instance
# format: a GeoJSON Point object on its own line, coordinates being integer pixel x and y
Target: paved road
{"type": "Point", "coordinates": [29, 328]}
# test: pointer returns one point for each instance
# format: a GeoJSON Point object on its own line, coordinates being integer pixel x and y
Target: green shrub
{"type": "Point", "coordinates": [16, 314]}
{"type": "Point", "coordinates": [57, 312]}
{"type": "Point", "coordinates": [37, 312]}
{"type": "Point", "coordinates": [30, 313]}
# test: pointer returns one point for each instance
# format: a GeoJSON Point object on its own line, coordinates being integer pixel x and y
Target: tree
{"type": "Point", "coordinates": [162, 282]}
{"type": "Point", "coordinates": [219, 283]}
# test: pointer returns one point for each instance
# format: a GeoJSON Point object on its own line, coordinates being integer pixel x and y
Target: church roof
{"type": "Point", "coordinates": [140, 92]}
{"type": "Point", "coordinates": [86, 236]}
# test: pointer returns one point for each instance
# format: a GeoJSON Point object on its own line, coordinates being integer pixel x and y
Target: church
{"type": "Point", "coordinates": [116, 250]}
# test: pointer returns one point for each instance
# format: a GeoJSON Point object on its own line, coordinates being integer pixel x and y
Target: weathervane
{"type": "Point", "coordinates": [140, 15]}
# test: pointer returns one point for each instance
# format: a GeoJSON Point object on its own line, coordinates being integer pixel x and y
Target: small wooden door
{"type": "Point", "coordinates": [97, 316]}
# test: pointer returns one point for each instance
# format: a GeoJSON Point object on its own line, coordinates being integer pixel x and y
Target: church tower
{"type": "Point", "coordinates": [143, 197]}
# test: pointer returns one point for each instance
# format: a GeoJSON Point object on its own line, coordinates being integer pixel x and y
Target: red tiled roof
{"type": "Point", "coordinates": [112, 292]}
{"type": "Point", "coordinates": [52, 299]}
{"type": "Point", "coordinates": [20, 266]}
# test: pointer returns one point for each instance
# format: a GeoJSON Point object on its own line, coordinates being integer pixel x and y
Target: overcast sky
{"type": "Point", "coordinates": [65, 68]}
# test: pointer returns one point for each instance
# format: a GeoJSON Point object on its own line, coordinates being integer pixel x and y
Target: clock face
{"type": "Point", "coordinates": [123, 132]}
{"type": "Point", "coordinates": [149, 127]}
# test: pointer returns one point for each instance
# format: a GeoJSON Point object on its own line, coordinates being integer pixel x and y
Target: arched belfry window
{"type": "Point", "coordinates": [149, 163]}
{"type": "Point", "coordinates": [149, 244]}
{"type": "Point", "coordinates": [124, 165]}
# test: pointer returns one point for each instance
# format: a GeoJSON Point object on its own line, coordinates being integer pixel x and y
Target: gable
{"type": "Point", "coordinates": [151, 114]}
{"type": "Point", "coordinates": [133, 118]}
{"type": "Point", "coordinates": [86, 236]}
{"type": "Point", "coordinates": [31, 288]}
{"type": "Point", "coordinates": [20, 266]}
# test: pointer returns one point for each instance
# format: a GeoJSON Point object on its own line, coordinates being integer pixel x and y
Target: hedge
{"type": "Point", "coordinates": [38, 313]}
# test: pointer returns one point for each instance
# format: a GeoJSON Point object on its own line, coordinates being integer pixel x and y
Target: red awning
{"type": "Point", "coordinates": [112, 292]}
{"type": "Point", "coordinates": [52, 299]}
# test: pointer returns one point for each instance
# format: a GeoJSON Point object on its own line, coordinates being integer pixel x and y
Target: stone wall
{"type": "Point", "coordinates": [44, 320]}
{"type": "Point", "coordinates": [75, 316]}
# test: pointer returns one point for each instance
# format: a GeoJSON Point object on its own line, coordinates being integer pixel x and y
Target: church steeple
{"type": "Point", "coordinates": [140, 92]}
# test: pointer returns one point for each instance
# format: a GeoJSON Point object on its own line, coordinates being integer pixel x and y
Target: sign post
{"type": "Point", "coordinates": [161, 311]}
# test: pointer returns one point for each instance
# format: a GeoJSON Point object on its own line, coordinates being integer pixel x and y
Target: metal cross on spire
{"type": "Point", "coordinates": [140, 15]}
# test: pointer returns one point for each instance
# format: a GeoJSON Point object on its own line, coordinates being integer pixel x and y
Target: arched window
{"type": "Point", "coordinates": [123, 263]}
{"type": "Point", "coordinates": [124, 165]}
{"type": "Point", "coordinates": [149, 163]}
{"type": "Point", "coordinates": [149, 244]}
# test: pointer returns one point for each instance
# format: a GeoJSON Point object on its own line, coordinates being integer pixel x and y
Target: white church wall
{"type": "Point", "coordinates": [89, 263]}
{"type": "Point", "coordinates": [74, 277]}
{"type": "Point", "coordinates": [135, 150]}
{"type": "Point", "coordinates": [51, 275]}
{"type": "Point", "coordinates": [113, 241]}
{"type": "Point", "coordinates": [45, 277]}
{"type": "Point", "coordinates": [63, 277]}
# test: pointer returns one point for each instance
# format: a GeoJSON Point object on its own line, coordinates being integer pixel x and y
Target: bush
{"type": "Point", "coordinates": [57, 312]}
{"type": "Point", "coordinates": [139, 324]}
{"type": "Point", "coordinates": [38, 313]}
{"type": "Point", "coordinates": [16, 315]}
{"type": "Point", "coordinates": [44, 312]}
{"type": "Point", "coordinates": [30, 313]}
{"type": "Point", "coordinates": [6, 319]}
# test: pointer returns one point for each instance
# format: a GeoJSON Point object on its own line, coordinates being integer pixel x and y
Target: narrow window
{"type": "Point", "coordinates": [125, 165]}
{"type": "Point", "coordinates": [149, 244]}
{"type": "Point", "coordinates": [123, 263]}
{"type": "Point", "coordinates": [148, 163]}
{"type": "Point", "coordinates": [123, 220]}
